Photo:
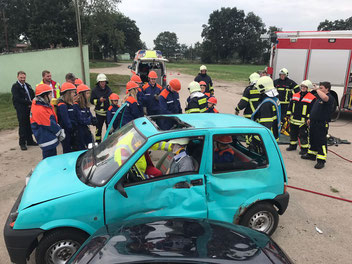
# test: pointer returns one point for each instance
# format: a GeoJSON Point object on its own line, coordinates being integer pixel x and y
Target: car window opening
{"type": "Point", "coordinates": [172, 121]}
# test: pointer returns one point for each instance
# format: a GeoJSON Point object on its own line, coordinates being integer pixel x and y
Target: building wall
{"type": "Point", "coordinates": [57, 61]}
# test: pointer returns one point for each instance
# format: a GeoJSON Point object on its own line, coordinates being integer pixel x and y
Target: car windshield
{"type": "Point", "coordinates": [96, 166]}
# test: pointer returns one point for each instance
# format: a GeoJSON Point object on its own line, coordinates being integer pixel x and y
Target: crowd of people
{"type": "Point", "coordinates": [57, 113]}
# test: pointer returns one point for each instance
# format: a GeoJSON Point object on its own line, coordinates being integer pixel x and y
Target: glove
{"type": "Point", "coordinates": [62, 135]}
{"type": "Point", "coordinates": [156, 96]}
{"type": "Point", "coordinates": [94, 121]}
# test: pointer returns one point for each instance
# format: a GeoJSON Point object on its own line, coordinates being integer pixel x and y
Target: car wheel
{"type": "Point", "coordinates": [58, 246]}
{"type": "Point", "coordinates": [261, 217]}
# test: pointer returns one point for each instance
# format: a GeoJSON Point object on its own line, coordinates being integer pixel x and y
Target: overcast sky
{"type": "Point", "coordinates": [186, 17]}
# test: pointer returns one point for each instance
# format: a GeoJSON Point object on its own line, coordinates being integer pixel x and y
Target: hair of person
{"type": "Point", "coordinates": [67, 97]}
{"type": "Point", "coordinates": [20, 72]}
{"type": "Point", "coordinates": [70, 76]}
{"type": "Point", "coordinates": [132, 92]}
{"type": "Point", "coordinates": [327, 85]}
{"type": "Point", "coordinates": [82, 100]}
{"type": "Point", "coordinates": [45, 72]}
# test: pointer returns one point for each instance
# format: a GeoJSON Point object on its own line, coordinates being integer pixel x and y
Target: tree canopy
{"type": "Point", "coordinates": [339, 24]}
{"type": "Point", "coordinates": [167, 43]}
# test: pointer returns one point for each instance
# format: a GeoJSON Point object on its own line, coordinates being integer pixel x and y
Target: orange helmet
{"type": "Point", "coordinates": [42, 88]}
{"type": "Point", "coordinates": [130, 85]}
{"type": "Point", "coordinates": [114, 96]}
{"type": "Point", "coordinates": [212, 100]}
{"type": "Point", "coordinates": [66, 86]}
{"type": "Point", "coordinates": [136, 78]}
{"type": "Point", "coordinates": [82, 88]}
{"type": "Point", "coordinates": [203, 83]}
{"type": "Point", "coordinates": [223, 139]}
{"type": "Point", "coordinates": [78, 81]}
{"type": "Point", "coordinates": [175, 84]}
{"type": "Point", "coordinates": [152, 74]}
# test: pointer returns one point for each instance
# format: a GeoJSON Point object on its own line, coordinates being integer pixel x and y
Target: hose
{"type": "Point", "coordinates": [340, 156]}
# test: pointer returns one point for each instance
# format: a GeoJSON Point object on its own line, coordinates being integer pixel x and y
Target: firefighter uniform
{"type": "Point", "coordinates": [150, 101]}
{"type": "Point", "coordinates": [196, 104]}
{"type": "Point", "coordinates": [84, 118]}
{"type": "Point", "coordinates": [67, 120]}
{"type": "Point", "coordinates": [286, 88]}
{"type": "Point", "coordinates": [205, 78]}
{"type": "Point", "coordinates": [110, 114]}
{"type": "Point", "coordinates": [298, 113]}
{"type": "Point", "coordinates": [169, 103]}
{"type": "Point", "coordinates": [318, 129]}
{"type": "Point", "coordinates": [249, 101]}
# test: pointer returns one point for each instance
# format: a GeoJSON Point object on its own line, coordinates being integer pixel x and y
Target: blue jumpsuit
{"type": "Point", "coordinates": [132, 111]}
{"type": "Point", "coordinates": [84, 119]}
{"type": "Point", "coordinates": [149, 100]}
{"type": "Point", "coordinates": [169, 103]}
{"type": "Point", "coordinates": [110, 114]}
{"type": "Point", "coordinates": [67, 121]}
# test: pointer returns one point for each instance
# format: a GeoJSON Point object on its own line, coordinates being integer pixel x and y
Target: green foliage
{"type": "Point", "coordinates": [167, 43]}
{"type": "Point", "coordinates": [8, 117]}
{"type": "Point", "coordinates": [339, 24]}
{"type": "Point", "coordinates": [219, 71]}
{"type": "Point", "coordinates": [117, 82]}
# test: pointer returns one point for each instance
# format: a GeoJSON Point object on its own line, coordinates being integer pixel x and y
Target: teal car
{"type": "Point", "coordinates": [68, 197]}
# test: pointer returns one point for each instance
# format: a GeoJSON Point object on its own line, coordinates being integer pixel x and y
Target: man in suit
{"type": "Point", "coordinates": [22, 96]}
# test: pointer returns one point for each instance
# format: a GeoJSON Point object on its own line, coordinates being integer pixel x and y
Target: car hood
{"type": "Point", "coordinates": [53, 178]}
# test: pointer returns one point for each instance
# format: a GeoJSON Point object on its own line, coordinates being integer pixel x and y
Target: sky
{"type": "Point", "coordinates": [186, 17]}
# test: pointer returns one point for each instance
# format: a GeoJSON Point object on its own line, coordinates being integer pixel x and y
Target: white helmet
{"type": "Point", "coordinates": [194, 87]}
{"type": "Point", "coordinates": [203, 68]}
{"type": "Point", "coordinates": [307, 83]}
{"type": "Point", "coordinates": [180, 141]}
{"type": "Point", "coordinates": [102, 78]}
{"type": "Point", "coordinates": [283, 71]}
{"type": "Point", "coordinates": [266, 85]}
{"type": "Point", "coordinates": [253, 78]}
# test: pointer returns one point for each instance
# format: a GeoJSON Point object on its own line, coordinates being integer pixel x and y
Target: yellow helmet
{"type": "Point", "coordinates": [307, 83]}
{"type": "Point", "coordinates": [203, 68]}
{"type": "Point", "coordinates": [283, 71]}
{"type": "Point", "coordinates": [266, 85]}
{"type": "Point", "coordinates": [194, 87]}
{"type": "Point", "coordinates": [253, 78]}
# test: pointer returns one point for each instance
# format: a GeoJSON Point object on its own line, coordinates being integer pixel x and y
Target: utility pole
{"type": "Point", "coordinates": [79, 35]}
{"type": "Point", "coordinates": [5, 29]}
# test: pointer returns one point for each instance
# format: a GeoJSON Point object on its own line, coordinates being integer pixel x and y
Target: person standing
{"type": "Point", "coordinates": [140, 94]}
{"type": "Point", "coordinates": [132, 110]}
{"type": "Point", "coordinates": [318, 122]}
{"type": "Point", "coordinates": [286, 88]}
{"type": "Point", "coordinates": [197, 101]}
{"type": "Point", "coordinates": [250, 98]}
{"type": "Point", "coordinates": [203, 76]}
{"type": "Point", "coordinates": [44, 121]}
{"type": "Point", "coordinates": [298, 114]}
{"type": "Point", "coordinates": [151, 94]}
{"type": "Point", "coordinates": [22, 96]}
{"type": "Point", "coordinates": [113, 108]}
{"type": "Point", "coordinates": [70, 77]}
{"type": "Point", "coordinates": [100, 98]}
{"type": "Point", "coordinates": [55, 86]}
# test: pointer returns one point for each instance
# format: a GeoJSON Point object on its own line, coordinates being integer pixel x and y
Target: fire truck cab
{"type": "Point", "coordinates": [317, 56]}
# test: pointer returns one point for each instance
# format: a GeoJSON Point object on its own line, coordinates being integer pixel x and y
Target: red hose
{"type": "Point", "coordinates": [340, 156]}
{"type": "Point", "coordinates": [322, 194]}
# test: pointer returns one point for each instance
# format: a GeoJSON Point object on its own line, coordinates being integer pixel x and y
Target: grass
{"type": "Point", "coordinates": [8, 117]}
{"type": "Point", "coordinates": [102, 64]}
{"type": "Point", "coordinates": [219, 71]}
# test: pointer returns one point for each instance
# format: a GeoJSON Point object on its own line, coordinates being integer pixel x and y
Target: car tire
{"type": "Point", "coordinates": [261, 217]}
{"type": "Point", "coordinates": [58, 246]}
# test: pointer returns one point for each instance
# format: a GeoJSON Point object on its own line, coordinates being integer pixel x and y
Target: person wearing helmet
{"type": "Point", "coordinates": [133, 109]}
{"type": "Point", "coordinates": [66, 116]}
{"type": "Point", "coordinates": [268, 111]}
{"type": "Point", "coordinates": [212, 101]}
{"type": "Point", "coordinates": [286, 88]}
{"type": "Point", "coordinates": [70, 77]}
{"type": "Point", "coordinates": [203, 87]}
{"type": "Point", "coordinates": [298, 113]}
{"type": "Point", "coordinates": [152, 91]}
{"type": "Point", "coordinates": [203, 76]}
{"type": "Point", "coordinates": [114, 99]}
{"type": "Point", "coordinates": [181, 162]}
{"type": "Point", "coordinates": [223, 153]}
{"type": "Point", "coordinates": [84, 117]}
{"type": "Point", "coordinates": [250, 97]}
{"type": "Point", "coordinates": [78, 81]}
{"type": "Point", "coordinates": [196, 102]}
{"type": "Point", "coordinates": [169, 102]}
{"type": "Point", "coordinates": [100, 98]}
{"type": "Point", "coordinates": [22, 96]}
{"type": "Point", "coordinates": [140, 94]}
{"type": "Point", "coordinates": [44, 121]}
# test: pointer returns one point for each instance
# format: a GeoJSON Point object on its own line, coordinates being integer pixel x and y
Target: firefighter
{"type": "Point", "coordinates": [203, 87]}
{"type": "Point", "coordinates": [268, 111]}
{"type": "Point", "coordinates": [298, 114]}
{"type": "Point", "coordinates": [84, 118]}
{"type": "Point", "coordinates": [114, 99]}
{"type": "Point", "coordinates": [133, 110]}
{"type": "Point", "coordinates": [223, 153]}
{"type": "Point", "coordinates": [203, 76]}
{"type": "Point", "coordinates": [250, 98]}
{"type": "Point", "coordinates": [100, 98]}
{"type": "Point", "coordinates": [140, 94]}
{"type": "Point", "coordinates": [44, 121]}
{"type": "Point", "coordinates": [286, 88]}
{"type": "Point", "coordinates": [66, 116]}
{"type": "Point", "coordinates": [152, 91]}
{"type": "Point", "coordinates": [212, 101]}
{"type": "Point", "coordinates": [78, 81]}
{"type": "Point", "coordinates": [197, 101]}
{"type": "Point", "coordinates": [181, 162]}
{"type": "Point", "coordinates": [318, 123]}
{"type": "Point", "coordinates": [55, 86]}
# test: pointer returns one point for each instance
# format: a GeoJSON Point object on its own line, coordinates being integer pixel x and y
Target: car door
{"type": "Point", "coordinates": [181, 194]}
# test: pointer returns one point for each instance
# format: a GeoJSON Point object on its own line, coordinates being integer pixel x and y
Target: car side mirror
{"type": "Point", "coordinates": [121, 189]}
{"type": "Point", "coordinates": [129, 66]}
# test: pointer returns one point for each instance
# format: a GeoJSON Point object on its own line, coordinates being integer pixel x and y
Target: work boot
{"type": "Point", "coordinates": [291, 147]}
{"type": "Point", "coordinates": [308, 156]}
{"type": "Point", "coordinates": [23, 147]}
{"type": "Point", "coordinates": [303, 151]}
{"type": "Point", "coordinates": [319, 165]}
{"type": "Point", "coordinates": [32, 143]}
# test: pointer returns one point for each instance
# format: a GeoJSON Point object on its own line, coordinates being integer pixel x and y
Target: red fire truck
{"type": "Point", "coordinates": [316, 56]}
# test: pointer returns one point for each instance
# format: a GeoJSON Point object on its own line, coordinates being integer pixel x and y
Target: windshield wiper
{"type": "Point", "coordinates": [91, 172]}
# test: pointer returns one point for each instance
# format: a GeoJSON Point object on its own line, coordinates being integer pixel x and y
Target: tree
{"type": "Point", "coordinates": [339, 24]}
{"type": "Point", "coordinates": [167, 43]}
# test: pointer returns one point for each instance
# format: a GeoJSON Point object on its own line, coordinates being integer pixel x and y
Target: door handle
{"type": "Point", "coordinates": [197, 182]}
{"type": "Point", "coordinates": [182, 185]}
